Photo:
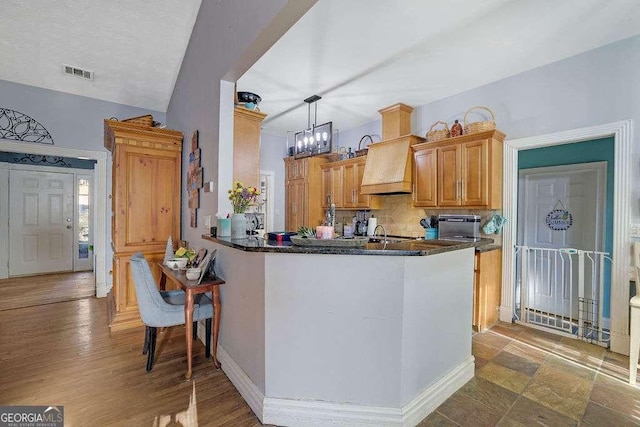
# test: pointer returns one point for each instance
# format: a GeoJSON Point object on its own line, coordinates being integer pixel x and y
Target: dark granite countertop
{"type": "Point", "coordinates": [409, 247]}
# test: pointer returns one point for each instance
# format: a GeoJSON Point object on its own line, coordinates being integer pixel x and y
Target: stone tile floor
{"type": "Point", "coordinates": [530, 377]}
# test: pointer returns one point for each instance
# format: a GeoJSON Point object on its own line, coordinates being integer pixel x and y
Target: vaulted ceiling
{"type": "Point", "coordinates": [359, 55]}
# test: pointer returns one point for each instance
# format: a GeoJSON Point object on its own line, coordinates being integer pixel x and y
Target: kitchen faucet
{"type": "Point", "coordinates": [375, 230]}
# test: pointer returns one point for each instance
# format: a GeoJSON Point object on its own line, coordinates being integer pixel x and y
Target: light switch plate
{"type": "Point", "coordinates": [207, 221]}
{"type": "Point", "coordinates": [208, 187]}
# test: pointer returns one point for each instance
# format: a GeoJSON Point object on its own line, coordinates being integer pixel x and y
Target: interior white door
{"type": "Point", "coordinates": [40, 222]}
{"type": "Point", "coordinates": [552, 277]}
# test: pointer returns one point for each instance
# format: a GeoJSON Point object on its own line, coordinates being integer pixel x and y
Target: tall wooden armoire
{"type": "Point", "coordinates": [145, 206]}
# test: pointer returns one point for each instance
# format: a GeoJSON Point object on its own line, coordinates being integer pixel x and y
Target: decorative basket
{"type": "Point", "coordinates": [332, 157]}
{"type": "Point", "coordinates": [438, 134]}
{"type": "Point", "coordinates": [363, 151]}
{"type": "Point", "coordinates": [474, 127]}
{"type": "Point", "coordinates": [142, 120]}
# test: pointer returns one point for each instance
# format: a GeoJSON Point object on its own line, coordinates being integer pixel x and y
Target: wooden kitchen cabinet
{"type": "Point", "coordinates": [352, 176]}
{"type": "Point", "coordinates": [303, 192]}
{"type": "Point", "coordinates": [464, 171]}
{"type": "Point", "coordinates": [295, 194]}
{"type": "Point", "coordinates": [332, 186]}
{"type": "Point", "coordinates": [341, 182]}
{"type": "Point", "coordinates": [295, 169]}
{"type": "Point", "coordinates": [246, 146]}
{"type": "Point", "coordinates": [146, 177]}
{"type": "Point", "coordinates": [487, 289]}
{"type": "Point", "coordinates": [425, 177]}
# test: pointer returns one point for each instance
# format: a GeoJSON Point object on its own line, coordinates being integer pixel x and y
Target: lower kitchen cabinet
{"type": "Point", "coordinates": [295, 194]}
{"type": "Point", "coordinates": [303, 192]}
{"type": "Point", "coordinates": [487, 289]}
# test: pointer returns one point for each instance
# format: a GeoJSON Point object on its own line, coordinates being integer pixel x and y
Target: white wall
{"type": "Point", "coordinates": [242, 332]}
{"type": "Point", "coordinates": [272, 151]}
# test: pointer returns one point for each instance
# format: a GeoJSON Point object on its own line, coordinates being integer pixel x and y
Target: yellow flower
{"type": "Point", "coordinates": [242, 197]}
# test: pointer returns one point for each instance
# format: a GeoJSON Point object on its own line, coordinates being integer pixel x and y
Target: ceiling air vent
{"type": "Point", "coordinates": [78, 72]}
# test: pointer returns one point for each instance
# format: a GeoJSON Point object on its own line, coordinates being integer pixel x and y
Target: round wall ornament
{"type": "Point", "coordinates": [559, 219]}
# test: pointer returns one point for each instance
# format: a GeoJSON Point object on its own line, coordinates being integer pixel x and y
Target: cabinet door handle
{"type": "Point", "coordinates": [457, 190]}
{"type": "Point", "coordinates": [413, 192]}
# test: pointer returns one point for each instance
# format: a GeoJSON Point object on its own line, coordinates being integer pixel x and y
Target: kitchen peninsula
{"type": "Point", "coordinates": [367, 336]}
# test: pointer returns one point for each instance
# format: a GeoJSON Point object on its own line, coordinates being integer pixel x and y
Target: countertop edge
{"type": "Point", "coordinates": [258, 244]}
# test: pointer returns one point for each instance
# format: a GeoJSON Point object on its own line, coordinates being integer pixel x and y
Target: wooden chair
{"type": "Point", "coordinates": [159, 309]}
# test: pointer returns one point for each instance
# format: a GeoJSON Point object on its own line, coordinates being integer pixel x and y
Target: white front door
{"type": "Point", "coordinates": [552, 277]}
{"type": "Point", "coordinates": [40, 222]}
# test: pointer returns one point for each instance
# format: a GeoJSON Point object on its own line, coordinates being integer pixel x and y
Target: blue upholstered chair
{"type": "Point", "coordinates": [159, 309]}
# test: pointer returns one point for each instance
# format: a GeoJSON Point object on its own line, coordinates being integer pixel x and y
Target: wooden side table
{"type": "Point", "coordinates": [191, 289]}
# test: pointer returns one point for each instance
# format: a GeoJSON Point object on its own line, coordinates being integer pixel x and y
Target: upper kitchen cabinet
{"type": "Point", "coordinates": [341, 183]}
{"type": "Point", "coordinates": [352, 175]}
{"type": "Point", "coordinates": [246, 146]}
{"type": "Point", "coordinates": [425, 177]}
{"type": "Point", "coordinates": [465, 171]}
{"type": "Point", "coordinates": [332, 185]}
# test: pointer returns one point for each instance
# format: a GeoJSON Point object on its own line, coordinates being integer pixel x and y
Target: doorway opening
{"type": "Point", "coordinates": [562, 272]}
{"type": "Point", "coordinates": [99, 212]}
{"type": "Point", "coordinates": [621, 133]}
{"type": "Point", "coordinates": [50, 226]}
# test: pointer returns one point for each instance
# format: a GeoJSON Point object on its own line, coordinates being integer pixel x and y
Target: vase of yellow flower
{"type": "Point", "coordinates": [241, 198]}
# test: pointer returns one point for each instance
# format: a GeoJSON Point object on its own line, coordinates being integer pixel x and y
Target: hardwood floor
{"type": "Point", "coordinates": [63, 354]}
{"type": "Point", "coordinates": [45, 289]}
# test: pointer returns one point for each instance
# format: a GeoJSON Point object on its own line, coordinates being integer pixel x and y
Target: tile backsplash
{"type": "Point", "coordinates": [401, 219]}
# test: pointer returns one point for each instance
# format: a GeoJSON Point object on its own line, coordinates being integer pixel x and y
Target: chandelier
{"type": "Point", "coordinates": [315, 139]}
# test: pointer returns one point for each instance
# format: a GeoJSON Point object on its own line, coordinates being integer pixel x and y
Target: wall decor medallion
{"type": "Point", "coordinates": [559, 219]}
{"type": "Point", "coordinates": [17, 126]}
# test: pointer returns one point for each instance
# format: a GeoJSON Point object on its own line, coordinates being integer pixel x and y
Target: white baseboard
{"type": "Point", "coordinates": [427, 401]}
{"type": "Point", "coordinates": [289, 412]}
{"type": "Point", "coordinates": [506, 314]}
{"type": "Point", "coordinates": [248, 390]}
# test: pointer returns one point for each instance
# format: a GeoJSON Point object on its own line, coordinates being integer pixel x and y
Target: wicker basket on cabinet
{"type": "Point", "coordinates": [482, 126]}
{"type": "Point", "coordinates": [438, 134]}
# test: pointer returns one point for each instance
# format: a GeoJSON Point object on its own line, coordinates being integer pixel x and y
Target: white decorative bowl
{"type": "Point", "coordinates": [193, 273]}
{"type": "Point", "coordinates": [177, 263]}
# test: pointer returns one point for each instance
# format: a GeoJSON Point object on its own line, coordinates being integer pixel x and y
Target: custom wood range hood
{"type": "Point", "coordinates": [388, 166]}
